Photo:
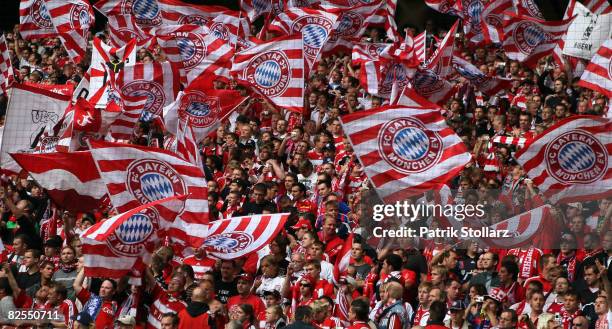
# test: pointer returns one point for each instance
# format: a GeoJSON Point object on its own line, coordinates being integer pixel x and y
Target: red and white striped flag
{"type": "Point", "coordinates": [487, 84]}
{"type": "Point", "coordinates": [70, 179]}
{"type": "Point", "coordinates": [236, 237]}
{"type": "Point", "coordinates": [384, 18]}
{"type": "Point", "coordinates": [131, 107]}
{"type": "Point", "coordinates": [186, 145]}
{"type": "Point", "coordinates": [123, 29]}
{"type": "Point", "coordinates": [6, 67]}
{"type": "Point", "coordinates": [366, 52]}
{"type": "Point", "coordinates": [528, 8]}
{"type": "Point", "coordinates": [122, 245]}
{"type": "Point", "coordinates": [343, 258]}
{"type": "Point", "coordinates": [196, 51]}
{"type": "Point", "coordinates": [430, 85]}
{"type": "Point", "coordinates": [442, 60]}
{"type": "Point", "coordinates": [314, 25]}
{"type": "Point", "coordinates": [147, 13]}
{"type": "Point", "coordinates": [409, 98]}
{"type": "Point", "coordinates": [598, 74]}
{"type": "Point", "coordinates": [158, 81]}
{"type": "Point", "coordinates": [451, 7]}
{"type": "Point", "coordinates": [598, 6]}
{"type": "Point", "coordinates": [405, 151]}
{"type": "Point", "coordinates": [274, 69]}
{"type": "Point", "coordinates": [256, 8]}
{"type": "Point", "coordinates": [528, 39]}
{"type": "Point", "coordinates": [570, 161]}
{"type": "Point", "coordinates": [72, 20]}
{"type": "Point", "coordinates": [420, 42]}
{"type": "Point", "coordinates": [526, 229]}
{"type": "Point", "coordinates": [351, 24]}
{"type": "Point", "coordinates": [137, 175]}
{"type": "Point", "coordinates": [34, 20]}
{"type": "Point", "coordinates": [489, 27]}
{"type": "Point", "coordinates": [202, 107]}
{"type": "Point", "coordinates": [506, 140]}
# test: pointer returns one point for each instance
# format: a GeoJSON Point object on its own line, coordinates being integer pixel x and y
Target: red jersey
{"type": "Point", "coordinates": [200, 266]}
{"type": "Point", "coordinates": [106, 316]}
{"type": "Point", "coordinates": [420, 317]}
{"type": "Point", "coordinates": [253, 300]}
{"type": "Point", "coordinates": [304, 206]}
{"type": "Point", "coordinates": [547, 284]}
{"type": "Point", "coordinates": [528, 261]}
{"type": "Point", "coordinates": [163, 303]}
{"type": "Point", "coordinates": [359, 325]}
{"type": "Point", "coordinates": [67, 308]}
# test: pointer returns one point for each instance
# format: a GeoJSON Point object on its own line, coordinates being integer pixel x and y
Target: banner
{"type": "Point", "coordinates": [587, 33]}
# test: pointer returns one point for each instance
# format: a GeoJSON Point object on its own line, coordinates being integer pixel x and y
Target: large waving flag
{"type": "Point", "coordinates": [239, 236]}
{"type": "Point", "coordinates": [196, 51]}
{"type": "Point", "coordinates": [598, 6]}
{"type": "Point", "coordinates": [34, 20]}
{"type": "Point", "coordinates": [147, 13]}
{"type": "Point", "coordinates": [314, 25]}
{"type": "Point", "coordinates": [138, 175]}
{"type": "Point", "coordinates": [202, 107]}
{"type": "Point", "coordinates": [598, 74]}
{"type": "Point", "coordinates": [72, 20]}
{"type": "Point", "coordinates": [487, 84]}
{"type": "Point", "coordinates": [441, 61]}
{"type": "Point", "coordinates": [158, 81]}
{"type": "Point", "coordinates": [427, 83]}
{"type": "Point", "coordinates": [486, 22]}
{"type": "Point", "coordinates": [351, 24]}
{"type": "Point", "coordinates": [122, 245]}
{"type": "Point", "coordinates": [528, 39]}
{"type": "Point", "coordinates": [528, 8]}
{"type": "Point", "coordinates": [452, 7]}
{"type": "Point", "coordinates": [405, 151]}
{"type": "Point", "coordinates": [70, 179]}
{"type": "Point", "coordinates": [123, 29]}
{"type": "Point", "coordinates": [275, 69]}
{"type": "Point", "coordinates": [6, 67]}
{"type": "Point", "coordinates": [531, 228]}
{"type": "Point", "coordinates": [570, 161]}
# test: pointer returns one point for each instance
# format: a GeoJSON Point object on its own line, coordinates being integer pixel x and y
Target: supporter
{"type": "Point", "coordinates": [169, 321]}
{"type": "Point", "coordinates": [58, 301]}
{"type": "Point", "coordinates": [393, 313]}
{"type": "Point", "coordinates": [536, 317]}
{"type": "Point", "coordinates": [487, 277]}
{"type": "Point", "coordinates": [437, 313]}
{"type": "Point", "coordinates": [592, 286]}
{"type": "Point", "coordinates": [457, 316]}
{"type": "Point", "coordinates": [274, 318]}
{"type": "Point", "coordinates": [101, 308]}
{"type": "Point", "coordinates": [358, 314]}
{"type": "Point", "coordinates": [244, 296]}
{"type": "Point", "coordinates": [67, 270]}
{"type": "Point", "coordinates": [507, 319]}
{"type": "Point", "coordinates": [225, 281]}
{"type": "Point", "coordinates": [303, 318]}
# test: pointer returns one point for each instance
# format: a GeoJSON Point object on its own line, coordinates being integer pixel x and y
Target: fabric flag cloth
{"type": "Point", "coordinates": [202, 107]}
{"type": "Point", "coordinates": [123, 29]}
{"type": "Point", "coordinates": [442, 60]}
{"type": "Point", "coordinates": [419, 44]}
{"type": "Point", "coordinates": [598, 6]}
{"type": "Point", "coordinates": [275, 70]}
{"type": "Point", "coordinates": [158, 81]}
{"type": "Point", "coordinates": [351, 24]}
{"type": "Point", "coordinates": [405, 151]}
{"type": "Point", "coordinates": [598, 74]}
{"type": "Point", "coordinates": [528, 39]}
{"type": "Point", "coordinates": [196, 51]}
{"type": "Point", "coordinates": [451, 7]}
{"type": "Point", "coordinates": [137, 175]}
{"type": "Point", "coordinates": [531, 228]}
{"type": "Point", "coordinates": [430, 85]}
{"type": "Point", "coordinates": [343, 258]}
{"type": "Point", "coordinates": [528, 8]}
{"type": "Point", "coordinates": [6, 67]}
{"type": "Point", "coordinates": [239, 236]}
{"type": "Point", "coordinates": [570, 161]}
{"type": "Point", "coordinates": [122, 245]}
{"type": "Point", "coordinates": [255, 8]}
{"type": "Point", "coordinates": [130, 110]}
{"type": "Point", "coordinates": [314, 25]}
{"type": "Point", "coordinates": [29, 113]}
{"type": "Point", "coordinates": [409, 98]}
{"type": "Point", "coordinates": [365, 52]}
{"type": "Point", "coordinates": [147, 14]}
{"type": "Point", "coordinates": [70, 179]}
{"type": "Point", "coordinates": [487, 84]}
{"type": "Point", "coordinates": [72, 20]}
{"type": "Point", "coordinates": [586, 33]}
{"type": "Point", "coordinates": [186, 145]}
{"type": "Point", "coordinates": [488, 28]}
{"type": "Point", "coordinates": [35, 20]}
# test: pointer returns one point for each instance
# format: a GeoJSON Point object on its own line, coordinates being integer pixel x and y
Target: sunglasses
{"type": "Point", "coordinates": [305, 285]}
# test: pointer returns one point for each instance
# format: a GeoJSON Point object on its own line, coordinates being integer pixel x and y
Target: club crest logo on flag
{"type": "Point", "coordinates": [79, 16]}
{"type": "Point", "coordinates": [494, 20]}
{"type": "Point", "coordinates": [149, 180]}
{"type": "Point", "coordinates": [576, 157]}
{"type": "Point", "coordinates": [375, 49]}
{"type": "Point", "coordinates": [192, 48]}
{"type": "Point", "coordinates": [220, 30]}
{"type": "Point", "coordinates": [270, 72]}
{"type": "Point", "coordinates": [407, 146]}
{"type": "Point", "coordinates": [314, 33]}
{"type": "Point", "coordinates": [40, 15]}
{"type": "Point", "coordinates": [348, 25]}
{"type": "Point", "coordinates": [228, 242]}
{"type": "Point", "coordinates": [394, 73]}
{"type": "Point", "coordinates": [199, 109]}
{"type": "Point", "coordinates": [146, 12]}
{"type": "Point", "coordinates": [156, 97]}
{"type": "Point", "coordinates": [427, 82]}
{"type": "Point", "coordinates": [130, 237]}
{"type": "Point", "coordinates": [531, 8]}
{"type": "Point", "coordinates": [528, 35]}
{"type": "Point", "coordinates": [474, 11]}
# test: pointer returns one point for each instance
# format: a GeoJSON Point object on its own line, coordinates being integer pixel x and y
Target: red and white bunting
{"type": "Point", "coordinates": [34, 20]}
{"type": "Point", "coordinates": [275, 70]}
{"type": "Point", "coordinates": [528, 39]}
{"type": "Point", "coordinates": [598, 74]}
{"type": "Point", "coordinates": [137, 175]}
{"type": "Point", "coordinates": [70, 179]}
{"type": "Point", "coordinates": [6, 67]}
{"type": "Point", "coordinates": [236, 237]}
{"type": "Point", "coordinates": [570, 160]}
{"type": "Point", "coordinates": [405, 151]}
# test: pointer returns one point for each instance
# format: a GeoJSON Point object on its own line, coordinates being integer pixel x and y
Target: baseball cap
{"type": "Point", "coordinates": [274, 293]}
{"type": "Point", "coordinates": [576, 205]}
{"type": "Point", "coordinates": [245, 277]}
{"type": "Point", "coordinates": [457, 305]}
{"type": "Point", "coordinates": [54, 242]}
{"type": "Point", "coordinates": [302, 223]}
{"type": "Point", "coordinates": [126, 319]}
{"type": "Point", "coordinates": [83, 318]}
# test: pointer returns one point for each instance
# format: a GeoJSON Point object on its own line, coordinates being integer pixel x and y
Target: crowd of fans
{"type": "Point", "coordinates": [267, 160]}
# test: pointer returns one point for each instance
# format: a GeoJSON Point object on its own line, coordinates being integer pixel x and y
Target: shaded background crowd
{"type": "Point", "coordinates": [266, 160]}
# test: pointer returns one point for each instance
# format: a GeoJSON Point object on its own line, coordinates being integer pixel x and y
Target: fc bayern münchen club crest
{"type": "Point", "coordinates": [314, 33]}
{"type": "Point", "coordinates": [270, 72]}
{"type": "Point", "coordinates": [406, 145]}
{"type": "Point", "coordinates": [79, 17]}
{"type": "Point", "coordinates": [527, 36]}
{"type": "Point", "coordinates": [40, 15]}
{"type": "Point", "coordinates": [194, 19]}
{"type": "Point", "coordinates": [130, 238]}
{"type": "Point", "coordinates": [156, 99]}
{"type": "Point", "coordinates": [576, 157]}
{"type": "Point", "coordinates": [427, 82]}
{"type": "Point", "coordinates": [228, 242]}
{"type": "Point", "coordinates": [146, 12]}
{"type": "Point", "coordinates": [151, 179]}
{"type": "Point", "coordinates": [199, 109]}
{"type": "Point", "coordinates": [192, 48]}
{"type": "Point", "coordinates": [349, 24]}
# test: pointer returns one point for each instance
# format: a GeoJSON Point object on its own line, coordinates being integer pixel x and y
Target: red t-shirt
{"type": "Point", "coordinates": [106, 316]}
{"type": "Point", "coordinates": [67, 308]}
{"type": "Point", "coordinates": [256, 302]}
